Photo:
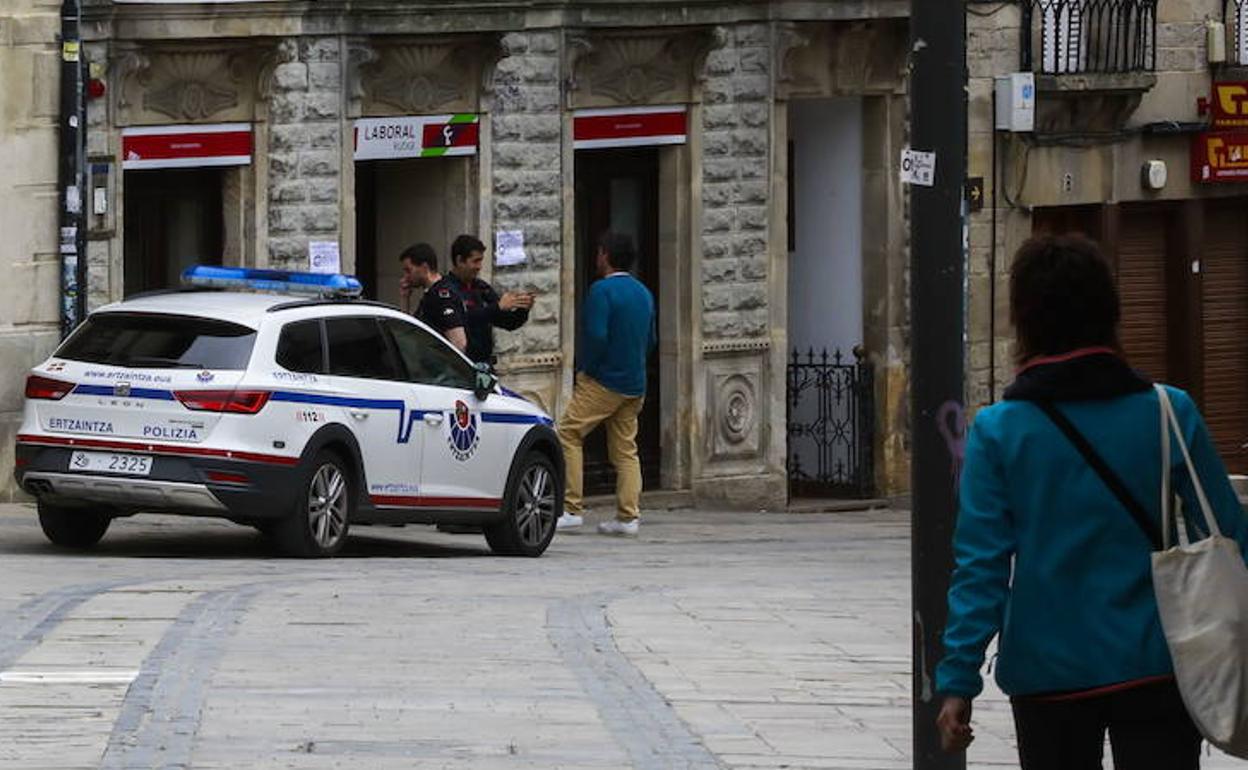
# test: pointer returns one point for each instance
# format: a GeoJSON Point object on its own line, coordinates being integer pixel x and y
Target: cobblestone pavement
{"type": "Point", "coordinates": [714, 641]}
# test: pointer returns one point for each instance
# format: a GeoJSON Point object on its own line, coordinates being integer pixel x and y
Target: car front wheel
{"type": "Point", "coordinates": [317, 527]}
{"type": "Point", "coordinates": [533, 503]}
{"type": "Point", "coordinates": [72, 527]}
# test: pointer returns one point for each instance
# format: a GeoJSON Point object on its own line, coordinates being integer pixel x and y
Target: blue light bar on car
{"type": "Point", "coordinates": [279, 281]}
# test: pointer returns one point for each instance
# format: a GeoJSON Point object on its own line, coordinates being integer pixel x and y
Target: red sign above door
{"type": "Point", "coordinates": [1220, 156]}
{"type": "Point", "coordinates": [222, 144]}
{"type": "Point", "coordinates": [631, 127]}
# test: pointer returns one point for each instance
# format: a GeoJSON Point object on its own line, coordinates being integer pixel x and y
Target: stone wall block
{"type": "Point", "coordinates": [716, 247]}
{"type": "Point", "coordinates": [514, 43]}
{"type": "Point", "coordinates": [754, 269]}
{"type": "Point", "coordinates": [290, 76]}
{"type": "Point", "coordinates": [750, 246]}
{"type": "Point", "coordinates": [286, 250]}
{"type": "Point", "coordinates": [752, 218]}
{"type": "Point", "coordinates": [749, 143]}
{"type": "Point", "coordinates": [719, 270]}
{"type": "Point", "coordinates": [322, 191]}
{"type": "Point", "coordinates": [717, 221]}
{"type": "Point", "coordinates": [717, 144]}
{"type": "Point", "coordinates": [756, 193]}
{"type": "Point", "coordinates": [540, 70]}
{"type": "Point", "coordinates": [755, 115]}
{"type": "Point", "coordinates": [290, 192]}
{"type": "Point", "coordinates": [719, 170]}
{"type": "Point", "coordinates": [717, 298]}
{"type": "Point", "coordinates": [544, 42]}
{"type": "Point", "coordinates": [750, 297]}
{"type": "Point", "coordinates": [717, 195]}
{"type": "Point", "coordinates": [283, 220]}
{"type": "Point", "coordinates": [281, 164]}
{"type": "Point", "coordinates": [323, 106]}
{"type": "Point", "coordinates": [320, 219]}
{"type": "Point", "coordinates": [751, 89]}
{"type": "Point", "coordinates": [753, 35]}
{"type": "Point", "coordinates": [325, 76]}
{"type": "Point", "coordinates": [289, 138]}
{"type": "Point", "coordinates": [721, 62]}
{"type": "Point", "coordinates": [318, 164]}
{"type": "Point", "coordinates": [720, 117]}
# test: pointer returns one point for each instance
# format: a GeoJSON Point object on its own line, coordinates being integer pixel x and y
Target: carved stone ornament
{"type": "Point", "coordinates": [190, 83]}
{"type": "Point", "coordinates": [410, 76]}
{"type": "Point", "coordinates": [822, 59]}
{"type": "Point", "coordinates": [734, 395]}
{"type": "Point", "coordinates": [635, 67]}
{"type": "Point", "coordinates": [736, 408]}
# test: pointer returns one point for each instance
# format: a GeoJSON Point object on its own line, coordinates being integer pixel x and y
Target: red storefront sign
{"type": "Point", "coordinates": [1230, 105]}
{"type": "Point", "coordinates": [1220, 156]}
{"type": "Point", "coordinates": [223, 144]}
{"type": "Point", "coordinates": [633, 127]}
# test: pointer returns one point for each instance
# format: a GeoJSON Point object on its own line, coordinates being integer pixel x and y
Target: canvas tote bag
{"type": "Point", "coordinates": [1202, 594]}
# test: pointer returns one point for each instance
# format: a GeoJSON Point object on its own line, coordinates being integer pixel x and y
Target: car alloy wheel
{"type": "Point", "coordinates": [535, 506]}
{"type": "Point", "coordinates": [327, 506]}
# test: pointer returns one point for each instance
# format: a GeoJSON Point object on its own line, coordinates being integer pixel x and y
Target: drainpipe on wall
{"type": "Point", "coordinates": [71, 177]}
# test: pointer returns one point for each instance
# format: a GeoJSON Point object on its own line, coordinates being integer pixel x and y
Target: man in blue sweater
{"type": "Point", "coordinates": [617, 335]}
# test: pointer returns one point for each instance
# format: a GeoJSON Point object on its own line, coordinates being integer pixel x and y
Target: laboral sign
{"type": "Point", "coordinates": [220, 144]}
{"type": "Point", "coordinates": [631, 127]}
{"type": "Point", "coordinates": [426, 136]}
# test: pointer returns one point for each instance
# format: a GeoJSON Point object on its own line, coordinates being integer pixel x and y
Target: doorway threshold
{"type": "Point", "coordinates": [832, 505]}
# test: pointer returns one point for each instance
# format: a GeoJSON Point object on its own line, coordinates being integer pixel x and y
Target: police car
{"type": "Point", "coordinates": [300, 416]}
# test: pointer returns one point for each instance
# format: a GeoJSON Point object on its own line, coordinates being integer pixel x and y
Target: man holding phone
{"type": "Point", "coordinates": [462, 302]}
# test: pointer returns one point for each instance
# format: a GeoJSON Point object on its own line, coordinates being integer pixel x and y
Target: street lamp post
{"type": "Point", "coordinates": [937, 321]}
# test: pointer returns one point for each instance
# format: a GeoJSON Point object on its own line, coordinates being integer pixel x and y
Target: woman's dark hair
{"type": "Point", "coordinates": [463, 246]}
{"type": "Point", "coordinates": [1062, 297]}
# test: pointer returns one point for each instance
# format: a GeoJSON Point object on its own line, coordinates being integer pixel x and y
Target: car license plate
{"type": "Point", "coordinates": [109, 462]}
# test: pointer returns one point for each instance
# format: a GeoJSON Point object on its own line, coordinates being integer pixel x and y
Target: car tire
{"type": "Point", "coordinates": [317, 527]}
{"type": "Point", "coordinates": [72, 527]}
{"type": "Point", "coordinates": [531, 506]}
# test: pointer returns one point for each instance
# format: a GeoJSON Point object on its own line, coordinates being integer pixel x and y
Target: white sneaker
{"type": "Point", "coordinates": [569, 521]}
{"type": "Point", "coordinates": [619, 528]}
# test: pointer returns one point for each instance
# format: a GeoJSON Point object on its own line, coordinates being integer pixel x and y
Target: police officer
{"type": "Point", "coordinates": [466, 309]}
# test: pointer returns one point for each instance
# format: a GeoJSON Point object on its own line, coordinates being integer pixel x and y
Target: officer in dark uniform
{"type": "Point", "coordinates": [465, 309]}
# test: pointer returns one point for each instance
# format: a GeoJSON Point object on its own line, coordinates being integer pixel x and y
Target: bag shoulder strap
{"type": "Point", "coordinates": [1111, 479]}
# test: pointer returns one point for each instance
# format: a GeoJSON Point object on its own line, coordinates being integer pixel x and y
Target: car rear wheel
{"type": "Point", "coordinates": [533, 503]}
{"type": "Point", "coordinates": [72, 527]}
{"type": "Point", "coordinates": [318, 525]}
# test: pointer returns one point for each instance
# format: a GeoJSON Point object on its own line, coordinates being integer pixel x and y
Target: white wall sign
{"type": "Point", "coordinates": [509, 248]}
{"type": "Point", "coordinates": [918, 168]}
{"type": "Point", "coordinates": [416, 136]}
{"type": "Point", "coordinates": [323, 257]}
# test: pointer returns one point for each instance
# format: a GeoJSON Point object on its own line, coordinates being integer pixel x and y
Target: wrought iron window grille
{"type": "Point", "coordinates": [1067, 37]}
{"type": "Point", "coordinates": [830, 425]}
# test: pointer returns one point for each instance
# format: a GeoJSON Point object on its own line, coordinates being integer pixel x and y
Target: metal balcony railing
{"type": "Point", "coordinates": [1235, 15]}
{"type": "Point", "coordinates": [1064, 37]}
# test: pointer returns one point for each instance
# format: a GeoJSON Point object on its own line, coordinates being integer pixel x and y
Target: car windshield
{"type": "Point", "coordinates": [160, 342]}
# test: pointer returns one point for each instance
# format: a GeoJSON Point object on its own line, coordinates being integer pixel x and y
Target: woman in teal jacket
{"type": "Point", "coordinates": [1046, 555]}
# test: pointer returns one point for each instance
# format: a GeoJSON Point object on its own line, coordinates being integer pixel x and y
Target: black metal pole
{"type": "Point", "coordinates": [938, 106]}
{"type": "Point", "coordinates": [72, 171]}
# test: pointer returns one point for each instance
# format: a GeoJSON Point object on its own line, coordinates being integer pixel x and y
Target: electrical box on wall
{"type": "Point", "coordinates": [1016, 102]}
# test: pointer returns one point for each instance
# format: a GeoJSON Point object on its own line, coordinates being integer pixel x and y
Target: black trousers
{"type": "Point", "coordinates": [1149, 729]}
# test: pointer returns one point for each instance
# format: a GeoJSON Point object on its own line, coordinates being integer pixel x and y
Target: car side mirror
{"type": "Point", "coordinates": [485, 383]}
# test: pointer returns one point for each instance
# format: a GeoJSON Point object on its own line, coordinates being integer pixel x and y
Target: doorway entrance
{"type": "Point", "coordinates": [402, 202]}
{"type": "Point", "coordinates": [617, 190]}
{"type": "Point", "coordinates": [173, 220]}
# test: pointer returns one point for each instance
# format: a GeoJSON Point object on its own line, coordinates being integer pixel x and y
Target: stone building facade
{"type": "Point", "coordinates": [29, 292]}
{"type": "Point", "coordinates": [284, 91]}
{"type": "Point", "coordinates": [1106, 121]}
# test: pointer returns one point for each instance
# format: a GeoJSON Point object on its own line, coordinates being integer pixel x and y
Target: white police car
{"type": "Point", "coordinates": [300, 417]}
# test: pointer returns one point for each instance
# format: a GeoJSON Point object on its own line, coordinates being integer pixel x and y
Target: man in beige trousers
{"type": "Point", "coordinates": [617, 335]}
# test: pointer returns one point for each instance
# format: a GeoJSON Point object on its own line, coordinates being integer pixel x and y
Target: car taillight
{"type": "Point", "coordinates": [47, 388]}
{"type": "Point", "coordinates": [231, 401]}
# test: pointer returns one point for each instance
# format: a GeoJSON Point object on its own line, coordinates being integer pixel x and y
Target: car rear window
{"type": "Point", "coordinates": [152, 341]}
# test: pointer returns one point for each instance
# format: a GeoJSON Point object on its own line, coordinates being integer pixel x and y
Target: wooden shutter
{"type": "Point", "coordinates": [1224, 304]}
{"type": "Point", "coordinates": [1141, 252]}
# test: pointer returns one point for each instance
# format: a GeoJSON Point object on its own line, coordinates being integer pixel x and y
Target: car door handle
{"type": "Point", "coordinates": [433, 418]}
{"type": "Point", "coordinates": [357, 414]}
